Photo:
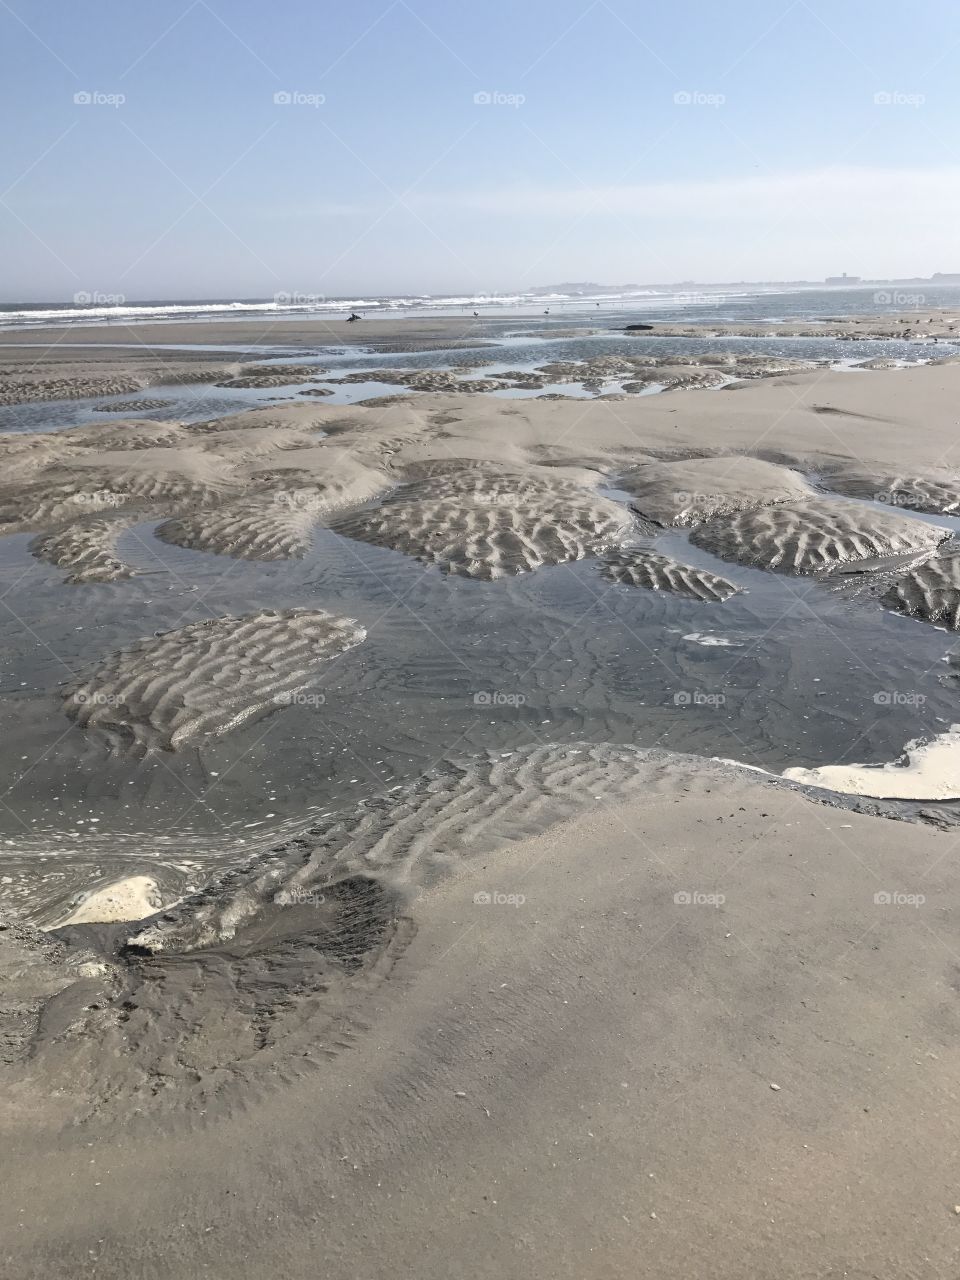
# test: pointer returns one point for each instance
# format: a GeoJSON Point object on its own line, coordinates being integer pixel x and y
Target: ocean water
{"type": "Point", "coordinates": [683, 302]}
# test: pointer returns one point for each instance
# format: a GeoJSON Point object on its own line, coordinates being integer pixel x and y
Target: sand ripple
{"type": "Point", "coordinates": [816, 536]}
{"type": "Point", "coordinates": [931, 591]}
{"type": "Point", "coordinates": [697, 489]}
{"type": "Point", "coordinates": [207, 678]}
{"type": "Point", "coordinates": [482, 523]}
{"type": "Point", "coordinates": [424, 831]}
{"type": "Point", "coordinates": [662, 573]}
{"type": "Point", "coordinates": [87, 548]}
{"type": "Point", "coordinates": [936, 492]}
{"type": "Point", "coordinates": [246, 530]}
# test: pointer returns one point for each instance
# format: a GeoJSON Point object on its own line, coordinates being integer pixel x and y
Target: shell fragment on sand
{"type": "Point", "coordinates": [817, 536]}
{"type": "Point", "coordinates": [207, 678]}
{"type": "Point", "coordinates": [639, 568]}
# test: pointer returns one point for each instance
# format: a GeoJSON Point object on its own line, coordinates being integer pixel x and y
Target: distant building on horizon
{"type": "Point", "coordinates": [945, 277]}
{"type": "Point", "coordinates": [844, 279]}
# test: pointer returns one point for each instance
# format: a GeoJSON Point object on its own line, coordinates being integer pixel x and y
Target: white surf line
{"type": "Point", "coordinates": [925, 771]}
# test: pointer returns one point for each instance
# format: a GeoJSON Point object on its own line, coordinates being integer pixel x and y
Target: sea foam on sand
{"type": "Point", "coordinates": [132, 898]}
{"type": "Point", "coordinates": [925, 771]}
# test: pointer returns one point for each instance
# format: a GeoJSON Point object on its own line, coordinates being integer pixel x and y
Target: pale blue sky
{"type": "Point", "coordinates": [585, 166]}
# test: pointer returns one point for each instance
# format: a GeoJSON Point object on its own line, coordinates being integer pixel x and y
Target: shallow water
{"type": "Point", "coordinates": [790, 672]}
{"type": "Point", "coordinates": [197, 402]}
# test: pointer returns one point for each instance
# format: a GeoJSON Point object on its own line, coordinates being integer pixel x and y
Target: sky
{"type": "Point", "coordinates": [231, 148]}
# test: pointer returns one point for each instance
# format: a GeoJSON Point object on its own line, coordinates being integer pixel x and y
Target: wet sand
{"type": "Point", "coordinates": [601, 1062]}
{"type": "Point", "coordinates": [545, 1011]}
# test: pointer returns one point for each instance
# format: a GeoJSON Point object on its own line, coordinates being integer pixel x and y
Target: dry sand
{"type": "Point", "coordinates": [574, 1012]}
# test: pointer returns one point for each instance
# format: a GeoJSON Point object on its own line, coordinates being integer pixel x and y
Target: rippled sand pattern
{"type": "Point", "coordinates": [931, 591]}
{"type": "Point", "coordinates": [483, 524]}
{"type": "Point", "coordinates": [697, 489]}
{"type": "Point", "coordinates": [423, 832]}
{"type": "Point", "coordinates": [206, 678]}
{"type": "Point", "coordinates": [247, 530]}
{"type": "Point", "coordinates": [87, 549]}
{"type": "Point", "coordinates": [816, 536]}
{"type": "Point", "coordinates": [662, 573]}
{"type": "Point", "coordinates": [930, 491]}
{"type": "Point", "coordinates": [273, 968]}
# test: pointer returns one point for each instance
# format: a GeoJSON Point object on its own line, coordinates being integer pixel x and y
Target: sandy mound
{"type": "Point", "coordinates": [145, 405]}
{"type": "Point", "coordinates": [818, 535]}
{"type": "Point", "coordinates": [207, 678]}
{"type": "Point", "coordinates": [246, 530]}
{"type": "Point", "coordinates": [87, 549]}
{"type": "Point", "coordinates": [274, 375]}
{"type": "Point", "coordinates": [662, 573]}
{"type": "Point", "coordinates": [933, 490]}
{"type": "Point", "coordinates": [696, 489]}
{"type": "Point", "coordinates": [931, 591]}
{"type": "Point", "coordinates": [48, 503]}
{"type": "Point", "coordinates": [212, 484]}
{"type": "Point", "coordinates": [482, 523]}
{"type": "Point", "coordinates": [27, 388]}
{"type": "Point", "coordinates": [279, 962]}
{"type": "Point", "coordinates": [487, 802]}
{"type": "Point", "coordinates": [53, 378]}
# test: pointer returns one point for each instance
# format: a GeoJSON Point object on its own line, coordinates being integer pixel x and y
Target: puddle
{"type": "Point", "coordinates": [788, 671]}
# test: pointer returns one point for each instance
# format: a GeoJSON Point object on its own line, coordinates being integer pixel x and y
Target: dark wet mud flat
{"type": "Point", "coordinates": [791, 671]}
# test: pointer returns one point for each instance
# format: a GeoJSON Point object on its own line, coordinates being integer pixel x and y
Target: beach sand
{"type": "Point", "coordinates": [602, 1067]}
{"type": "Point", "coordinates": [572, 1011]}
